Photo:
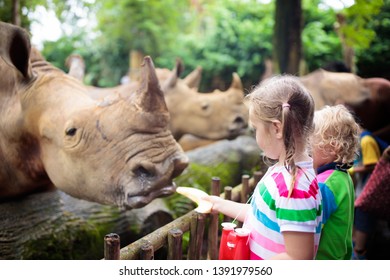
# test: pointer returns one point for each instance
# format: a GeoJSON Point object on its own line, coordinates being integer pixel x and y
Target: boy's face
{"type": "Point", "coordinates": [321, 156]}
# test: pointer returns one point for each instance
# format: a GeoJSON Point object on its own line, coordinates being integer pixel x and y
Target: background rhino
{"type": "Point", "coordinates": [216, 115]}
{"type": "Point", "coordinates": [213, 116]}
{"type": "Point", "coordinates": [368, 98]}
{"type": "Point", "coordinates": [119, 152]}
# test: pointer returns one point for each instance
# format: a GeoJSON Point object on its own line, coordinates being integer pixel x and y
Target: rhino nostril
{"type": "Point", "coordinates": [179, 166]}
{"type": "Point", "coordinates": [144, 171]}
{"type": "Point", "coordinates": [239, 120]}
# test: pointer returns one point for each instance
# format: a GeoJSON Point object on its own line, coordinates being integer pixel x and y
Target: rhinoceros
{"type": "Point", "coordinates": [330, 88]}
{"type": "Point", "coordinates": [52, 133]}
{"type": "Point", "coordinates": [367, 98]}
{"type": "Point", "coordinates": [213, 116]}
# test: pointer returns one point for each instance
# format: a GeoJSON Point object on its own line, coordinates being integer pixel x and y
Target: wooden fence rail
{"type": "Point", "coordinates": [171, 235]}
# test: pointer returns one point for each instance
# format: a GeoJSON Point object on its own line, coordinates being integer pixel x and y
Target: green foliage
{"type": "Point", "coordinates": [148, 26]}
{"type": "Point", "coordinates": [320, 42]}
{"type": "Point", "coordinates": [29, 6]}
{"type": "Point", "coordinates": [107, 63]}
{"type": "Point", "coordinates": [235, 37]}
{"type": "Point", "coordinates": [375, 62]}
{"type": "Point", "coordinates": [57, 52]}
{"type": "Point", "coordinates": [222, 36]}
{"type": "Point", "coordinates": [356, 32]}
{"type": "Point", "coordinates": [26, 7]}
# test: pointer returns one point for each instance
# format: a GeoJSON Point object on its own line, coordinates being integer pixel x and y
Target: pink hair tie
{"type": "Point", "coordinates": [285, 105]}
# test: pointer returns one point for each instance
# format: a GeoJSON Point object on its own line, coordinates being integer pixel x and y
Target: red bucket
{"type": "Point", "coordinates": [234, 243]}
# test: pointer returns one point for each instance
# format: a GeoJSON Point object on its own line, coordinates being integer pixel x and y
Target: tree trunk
{"type": "Point", "coordinates": [55, 226]}
{"type": "Point", "coordinates": [16, 13]}
{"type": "Point", "coordinates": [287, 35]}
{"type": "Point", "coordinates": [348, 51]}
{"type": "Point", "coordinates": [136, 58]}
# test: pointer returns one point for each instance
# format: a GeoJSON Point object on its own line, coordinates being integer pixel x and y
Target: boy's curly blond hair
{"type": "Point", "coordinates": [335, 130]}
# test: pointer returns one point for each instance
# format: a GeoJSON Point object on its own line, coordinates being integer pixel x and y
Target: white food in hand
{"type": "Point", "coordinates": [196, 196]}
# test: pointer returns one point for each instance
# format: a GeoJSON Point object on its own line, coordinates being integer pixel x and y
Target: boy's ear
{"type": "Point", "coordinates": [276, 128]}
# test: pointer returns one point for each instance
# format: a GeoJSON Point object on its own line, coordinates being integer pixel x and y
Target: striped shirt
{"type": "Point", "coordinates": [272, 212]}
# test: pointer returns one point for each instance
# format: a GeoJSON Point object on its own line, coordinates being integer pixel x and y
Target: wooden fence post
{"type": "Point", "coordinates": [112, 246]}
{"type": "Point", "coordinates": [196, 236]}
{"type": "Point", "coordinates": [257, 177]}
{"type": "Point", "coordinates": [147, 251]}
{"type": "Point", "coordinates": [175, 241]}
{"type": "Point", "coordinates": [228, 196]}
{"type": "Point", "coordinates": [244, 194]}
{"type": "Point", "coordinates": [245, 188]}
{"type": "Point", "coordinates": [212, 246]}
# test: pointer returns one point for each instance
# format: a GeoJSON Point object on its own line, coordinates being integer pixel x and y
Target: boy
{"type": "Point", "coordinates": [335, 144]}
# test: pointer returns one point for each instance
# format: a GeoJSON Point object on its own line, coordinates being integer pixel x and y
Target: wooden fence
{"type": "Point", "coordinates": [170, 236]}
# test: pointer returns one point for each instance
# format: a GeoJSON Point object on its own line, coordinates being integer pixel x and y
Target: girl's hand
{"type": "Point", "coordinates": [229, 208]}
{"type": "Point", "coordinates": [196, 196]}
{"type": "Point", "coordinates": [214, 200]}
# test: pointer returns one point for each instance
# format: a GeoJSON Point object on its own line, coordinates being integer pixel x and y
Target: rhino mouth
{"type": "Point", "coordinates": [235, 132]}
{"type": "Point", "coordinates": [140, 200]}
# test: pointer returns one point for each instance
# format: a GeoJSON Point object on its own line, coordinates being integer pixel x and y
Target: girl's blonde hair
{"type": "Point", "coordinates": [284, 98]}
{"type": "Point", "coordinates": [335, 130]}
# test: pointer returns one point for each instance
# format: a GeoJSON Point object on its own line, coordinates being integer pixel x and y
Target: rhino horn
{"type": "Point", "coordinates": [176, 73]}
{"type": "Point", "coordinates": [15, 48]}
{"type": "Point", "coordinates": [150, 96]}
{"type": "Point", "coordinates": [193, 79]}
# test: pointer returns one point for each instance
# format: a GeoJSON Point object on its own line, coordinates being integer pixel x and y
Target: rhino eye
{"type": "Point", "coordinates": [205, 106]}
{"type": "Point", "coordinates": [71, 131]}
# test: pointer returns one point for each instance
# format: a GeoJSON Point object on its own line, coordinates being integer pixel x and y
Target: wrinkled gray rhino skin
{"type": "Point", "coordinates": [116, 151]}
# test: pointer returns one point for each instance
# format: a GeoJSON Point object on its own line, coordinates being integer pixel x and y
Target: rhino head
{"type": "Point", "coordinates": [116, 151]}
{"type": "Point", "coordinates": [214, 116]}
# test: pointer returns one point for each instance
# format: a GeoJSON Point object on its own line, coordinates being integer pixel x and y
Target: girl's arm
{"type": "Point", "coordinates": [229, 208]}
{"type": "Point", "coordinates": [299, 246]}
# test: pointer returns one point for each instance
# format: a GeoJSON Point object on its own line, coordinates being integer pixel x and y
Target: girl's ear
{"type": "Point", "coordinates": [276, 128]}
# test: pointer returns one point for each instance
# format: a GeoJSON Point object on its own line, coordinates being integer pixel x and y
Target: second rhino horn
{"type": "Point", "coordinates": [150, 97]}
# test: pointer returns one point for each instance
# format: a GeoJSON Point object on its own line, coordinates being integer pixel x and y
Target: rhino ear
{"type": "Point", "coordinates": [179, 67]}
{"type": "Point", "coordinates": [175, 74]}
{"type": "Point", "coordinates": [76, 66]}
{"type": "Point", "coordinates": [193, 79]}
{"type": "Point", "coordinates": [236, 82]}
{"type": "Point", "coordinates": [15, 48]}
{"type": "Point", "coordinates": [150, 97]}
{"type": "Point", "coordinates": [236, 88]}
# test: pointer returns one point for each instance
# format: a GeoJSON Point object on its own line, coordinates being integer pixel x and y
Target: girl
{"type": "Point", "coordinates": [284, 215]}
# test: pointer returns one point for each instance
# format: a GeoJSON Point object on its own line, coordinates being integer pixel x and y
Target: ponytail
{"type": "Point", "coordinates": [291, 132]}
